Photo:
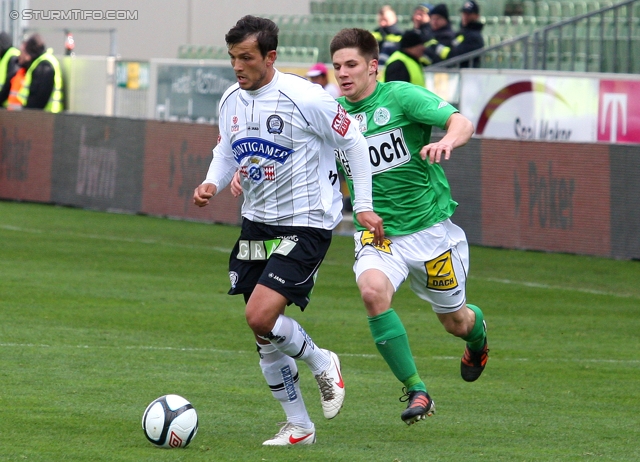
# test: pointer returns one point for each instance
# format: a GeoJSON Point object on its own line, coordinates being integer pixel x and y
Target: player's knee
{"type": "Point", "coordinates": [454, 326]}
{"type": "Point", "coordinates": [258, 323]}
{"type": "Point", "coordinates": [457, 330]}
{"type": "Point", "coordinates": [373, 297]}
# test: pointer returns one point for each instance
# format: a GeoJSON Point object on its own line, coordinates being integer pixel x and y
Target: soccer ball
{"type": "Point", "coordinates": [170, 422]}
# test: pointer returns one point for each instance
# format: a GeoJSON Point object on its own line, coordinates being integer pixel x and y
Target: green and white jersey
{"type": "Point", "coordinates": [409, 194]}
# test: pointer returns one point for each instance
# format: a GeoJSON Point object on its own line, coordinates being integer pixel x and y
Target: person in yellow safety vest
{"type": "Point", "coordinates": [8, 59]}
{"type": "Point", "coordinates": [42, 84]}
{"type": "Point", "coordinates": [405, 64]}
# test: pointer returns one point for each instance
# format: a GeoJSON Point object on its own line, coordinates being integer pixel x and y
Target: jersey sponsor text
{"type": "Point", "coordinates": [386, 151]}
{"type": "Point", "coordinates": [341, 121]}
{"type": "Point", "coordinates": [440, 273]}
{"type": "Point", "coordinates": [246, 147]}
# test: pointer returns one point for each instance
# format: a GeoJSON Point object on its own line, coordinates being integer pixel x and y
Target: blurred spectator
{"type": "Point", "coordinates": [443, 34]}
{"type": "Point", "coordinates": [37, 84]}
{"type": "Point", "coordinates": [405, 63]}
{"type": "Point", "coordinates": [318, 74]}
{"type": "Point", "coordinates": [440, 24]}
{"type": "Point", "coordinates": [388, 33]}
{"type": "Point", "coordinates": [468, 39]}
{"type": "Point", "coordinates": [422, 20]}
{"type": "Point", "coordinates": [8, 58]}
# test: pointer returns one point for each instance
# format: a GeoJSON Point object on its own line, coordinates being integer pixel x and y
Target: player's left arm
{"type": "Point", "coordinates": [459, 131]}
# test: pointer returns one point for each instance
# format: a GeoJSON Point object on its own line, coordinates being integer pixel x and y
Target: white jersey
{"type": "Point", "coordinates": [281, 138]}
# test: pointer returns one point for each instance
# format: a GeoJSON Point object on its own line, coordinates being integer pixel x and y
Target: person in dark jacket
{"type": "Point", "coordinates": [421, 19]}
{"type": "Point", "coordinates": [443, 34]}
{"type": "Point", "coordinates": [468, 39]}
{"type": "Point", "coordinates": [388, 33]}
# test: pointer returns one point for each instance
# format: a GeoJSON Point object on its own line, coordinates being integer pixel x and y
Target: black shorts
{"type": "Point", "coordinates": [283, 258]}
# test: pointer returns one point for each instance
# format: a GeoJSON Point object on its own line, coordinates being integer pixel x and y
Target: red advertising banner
{"type": "Point", "coordinates": [619, 111]}
{"type": "Point", "coordinates": [176, 160]}
{"type": "Point", "coordinates": [544, 196]}
{"type": "Point", "coordinates": [26, 151]}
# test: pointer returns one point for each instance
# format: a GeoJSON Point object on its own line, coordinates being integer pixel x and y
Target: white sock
{"type": "Point", "coordinates": [281, 373]}
{"type": "Point", "coordinates": [291, 339]}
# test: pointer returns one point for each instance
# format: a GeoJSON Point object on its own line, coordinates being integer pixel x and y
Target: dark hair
{"type": "Point", "coordinates": [264, 30]}
{"type": "Point", "coordinates": [34, 46]}
{"type": "Point", "coordinates": [5, 42]}
{"type": "Point", "coordinates": [361, 39]}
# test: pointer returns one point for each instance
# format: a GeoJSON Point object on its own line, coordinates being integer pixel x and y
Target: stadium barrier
{"type": "Point", "coordinates": [111, 164]}
{"type": "Point", "coordinates": [577, 198]}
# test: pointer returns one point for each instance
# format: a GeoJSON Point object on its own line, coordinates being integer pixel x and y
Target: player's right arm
{"type": "Point", "coordinates": [203, 193]}
{"type": "Point", "coordinates": [220, 173]}
{"type": "Point", "coordinates": [223, 164]}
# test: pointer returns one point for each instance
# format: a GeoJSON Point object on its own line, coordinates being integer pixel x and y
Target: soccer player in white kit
{"type": "Point", "coordinates": [279, 132]}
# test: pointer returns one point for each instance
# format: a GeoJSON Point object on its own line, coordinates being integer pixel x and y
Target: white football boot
{"type": "Point", "coordinates": [331, 387]}
{"type": "Point", "coordinates": [292, 435]}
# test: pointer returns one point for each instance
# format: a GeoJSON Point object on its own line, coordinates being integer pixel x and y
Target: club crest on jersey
{"type": "Point", "coordinates": [258, 147]}
{"type": "Point", "coordinates": [235, 128]}
{"type": "Point", "coordinates": [381, 116]}
{"type": "Point", "coordinates": [361, 118]}
{"type": "Point", "coordinates": [275, 124]}
{"type": "Point", "coordinates": [257, 174]}
{"type": "Point", "coordinates": [233, 279]}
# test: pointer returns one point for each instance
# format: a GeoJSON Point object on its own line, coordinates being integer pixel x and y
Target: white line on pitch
{"type": "Point", "coordinates": [351, 355]}
{"type": "Point", "coordinates": [538, 285]}
{"type": "Point", "coordinates": [104, 237]}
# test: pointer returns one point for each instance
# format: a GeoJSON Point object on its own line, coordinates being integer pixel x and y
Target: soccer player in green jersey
{"type": "Point", "coordinates": [411, 194]}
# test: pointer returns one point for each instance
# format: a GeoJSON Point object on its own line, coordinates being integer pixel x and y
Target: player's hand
{"type": "Point", "coordinates": [235, 187]}
{"type": "Point", "coordinates": [203, 193]}
{"type": "Point", "coordinates": [372, 222]}
{"type": "Point", "coordinates": [436, 152]}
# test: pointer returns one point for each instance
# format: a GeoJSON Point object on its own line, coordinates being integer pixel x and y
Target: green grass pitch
{"type": "Point", "coordinates": [102, 313]}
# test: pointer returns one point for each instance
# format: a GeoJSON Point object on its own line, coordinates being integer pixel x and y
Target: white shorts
{"type": "Point", "coordinates": [436, 260]}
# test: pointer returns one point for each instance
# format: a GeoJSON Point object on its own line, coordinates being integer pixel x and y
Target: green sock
{"type": "Point", "coordinates": [392, 342]}
{"type": "Point", "coordinates": [475, 339]}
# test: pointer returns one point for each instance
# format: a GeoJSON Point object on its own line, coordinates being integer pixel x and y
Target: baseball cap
{"type": "Point", "coordinates": [470, 6]}
{"type": "Point", "coordinates": [426, 7]}
{"type": "Point", "coordinates": [316, 70]}
{"type": "Point", "coordinates": [410, 39]}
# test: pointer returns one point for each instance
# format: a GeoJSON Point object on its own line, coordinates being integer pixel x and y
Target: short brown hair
{"type": "Point", "coordinates": [361, 39]}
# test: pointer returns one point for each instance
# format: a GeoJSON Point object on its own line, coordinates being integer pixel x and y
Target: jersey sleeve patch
{"type": "Point", "coordinates": [341, 121]}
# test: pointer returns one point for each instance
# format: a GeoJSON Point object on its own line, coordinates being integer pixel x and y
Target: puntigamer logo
{"type": "Point", "coordinates": [259, 147]}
